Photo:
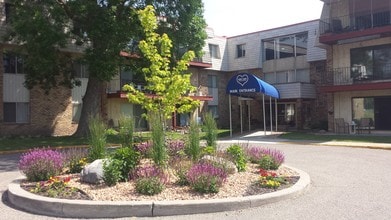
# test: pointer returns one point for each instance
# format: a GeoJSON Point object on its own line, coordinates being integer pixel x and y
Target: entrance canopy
{"type": "Point", "coordinates": [249, 83]}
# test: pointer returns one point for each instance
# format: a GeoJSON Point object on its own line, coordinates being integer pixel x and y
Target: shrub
{"type": "Point", "coordinates": [267, 163]}
{"type": "Point", "coordinates": [210, 129]}
{"type": "Point", "coordinates": [209, 150]}
{"type": "Point", "coordinates": [41, 164]}
{"type": "Point", "coordinates": [112, 171]}
{"type": "Point", "coordinates": [126, 131]}
{"type": "Point", "coordinates": [149, 186]}
{"type": "Point", "coordinates": [127, 159]}
{"type": "Point", "coordinates": [256, 154]}
{"type": "Point", "coordinates": [97, 138]}
{"type": "Point", "coordinates": [76, 159]}
{"type": "Point", "coordinates": [150, 180]}
{"type": "Point", "coordinates": [239, 158]}
{"type": "Point", "coordinates": [193, 146]}
{"type": "Point", "coordinates": [206, 178]}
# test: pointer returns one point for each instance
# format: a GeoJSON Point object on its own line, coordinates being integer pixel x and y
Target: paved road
{"type": "Point", "coordinates": [346, 183]}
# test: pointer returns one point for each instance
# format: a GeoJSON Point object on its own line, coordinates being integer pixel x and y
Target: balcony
{"type": "Point", "coordinates": [337, 29]}
{"type": "Point", "coordinates": [356, 77]}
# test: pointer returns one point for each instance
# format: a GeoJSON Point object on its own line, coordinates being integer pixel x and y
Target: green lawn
{"type": "Point", "coordinates": [24, 143]}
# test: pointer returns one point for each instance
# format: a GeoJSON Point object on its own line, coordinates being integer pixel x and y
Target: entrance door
{"type": "Point", "coordinates": [382, 113]}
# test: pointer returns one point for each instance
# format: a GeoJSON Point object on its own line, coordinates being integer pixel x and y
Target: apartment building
{"type": "Point", "coordinates": [357, 80]}
{"type": "Point", "coordinates": [286, 57]}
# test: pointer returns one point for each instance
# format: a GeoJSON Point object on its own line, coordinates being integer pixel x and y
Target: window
{"type": "Point", "coordinates": [212, 81]}
{"type": "Point", "coordinates": [127, 77]}
{"type": "Point", "coordinates": [81, 70]}
{"type": "Point", "coordinates": [214, 51]}
{"type": "Point", "coordinates": [13, 63]}
{"type": "Point", "coordinates": [284, 47]}
{"type": "Point", "coordinates": [213, 110]}
{"type": "Point", "coordinates": [16, 112]}
{"type": "Point", "coordinates": [7, 11]}
{"type": "Point", "coordinates": [371, 62]}
{"type": "Point", "coordinates": [287, 47]}
{"type": "Point", "coordinates": [240, 50]}
{"type": "Point", "coordinates": [76, 111]}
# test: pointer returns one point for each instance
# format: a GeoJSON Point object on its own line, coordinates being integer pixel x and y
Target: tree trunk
{"type": "Point", "coordinates": [92, 105]}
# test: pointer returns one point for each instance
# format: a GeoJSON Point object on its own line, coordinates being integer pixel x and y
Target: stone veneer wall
{"type": "Point", "coordinates": [319, 113]}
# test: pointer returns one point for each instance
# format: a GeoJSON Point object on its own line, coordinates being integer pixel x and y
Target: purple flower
{"type": "Point", "coordinates": [175, 146]}
{"type": "Point", "coordinates": [148, 171]}
{"type": "Point", "coordinates": [256, 153]}
{"type": "Point", "coordinates": [205, 177]}
{"type": "Point", "coordinates": [41, 164]}
{"type": "Point", "coordinates": [144, 147]}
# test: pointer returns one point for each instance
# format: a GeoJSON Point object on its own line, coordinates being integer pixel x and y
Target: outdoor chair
{"type": "Point", "coordinates": [341, 126]}
{"type": "Point", "coordinates": [365, 124]}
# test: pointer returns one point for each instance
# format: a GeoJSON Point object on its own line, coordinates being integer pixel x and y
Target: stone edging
{"type": "Point", "coordinates": [109, 209]}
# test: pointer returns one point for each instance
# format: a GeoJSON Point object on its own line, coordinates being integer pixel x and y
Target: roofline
{"type": "Point", "coordinates": [271, 29]}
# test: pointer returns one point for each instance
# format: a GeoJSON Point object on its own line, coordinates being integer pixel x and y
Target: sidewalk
{"type": "Point", "coordinates": [274, 137]}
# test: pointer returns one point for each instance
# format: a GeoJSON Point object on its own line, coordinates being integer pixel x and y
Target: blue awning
{"type": "Point", "coordinates": [249, 83]}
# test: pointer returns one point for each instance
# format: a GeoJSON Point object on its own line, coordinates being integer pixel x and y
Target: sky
{"type": "Point", "coordinates": [235, 17]}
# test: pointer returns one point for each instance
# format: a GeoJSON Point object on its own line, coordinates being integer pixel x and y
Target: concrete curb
{"type": "Point", "coordinates": [109, 209]}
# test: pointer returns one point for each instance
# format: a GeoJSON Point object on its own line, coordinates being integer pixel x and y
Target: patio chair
{"type": "Point", "coordinates": [341, 126]}
{"type": "Point", "coordinates": [365, 124]}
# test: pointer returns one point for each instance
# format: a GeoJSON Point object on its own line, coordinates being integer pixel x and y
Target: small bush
{"type": "Point", "coordinates": [149, 186]}
{"type": "Point", "coordinates": [256, 154]}
{"type": "Point", "coordinates": [239, 158]}
{"type": "Point", "coordinates": [97, 139]}
{"type": "Point", "coordinates": [41, 164]}
{"type": "Point", "coordinates": [150, 180]}
{"type": "Point", "coordinates": [127, 159]}
{"type": "Point", "coordinates": [206, 178]}
{"type": "Point", "coordinates": [267, 163]}
{"type": "Point", "coordinates": [209, 150]}
{"type": "Point", "coordinates": [112, 171]}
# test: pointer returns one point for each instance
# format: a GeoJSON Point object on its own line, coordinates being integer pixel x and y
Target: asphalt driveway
{"type": "Point", "coordinates": [346, 183]}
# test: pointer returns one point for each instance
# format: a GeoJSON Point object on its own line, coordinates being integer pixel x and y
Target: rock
{"type": "Point", "coordinates": [93, 172]}
{"type": "Point", "coordinates": [226, 164]}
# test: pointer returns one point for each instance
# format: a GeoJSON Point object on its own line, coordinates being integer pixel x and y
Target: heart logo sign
{"type": "Point", "coordinates": [242, 79]}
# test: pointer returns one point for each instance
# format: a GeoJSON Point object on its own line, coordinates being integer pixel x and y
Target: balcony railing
{"type": "Point", "coordinates": [355, 74]}
{"type": "Point", "coordinates": [351, 23]}
{"type": "Point", "coordinates": [204, 59]}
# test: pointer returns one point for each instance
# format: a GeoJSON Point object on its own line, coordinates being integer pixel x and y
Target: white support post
{"type": "Point", "coordinates": [230, 116]}
{"type": "Point", "coordinates": [276, 115]}
{"type": "Point", "coordinates": [249, 116]}
{"type": "Point", "coordinates": [271, 115]}
{"type": "Point", "coordinates": [264, 115]}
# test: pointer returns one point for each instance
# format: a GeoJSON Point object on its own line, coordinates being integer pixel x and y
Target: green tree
{"type": "Point", "coordinates": [168, 85]}
{"type": "Point", "coordinates": [102, 29]}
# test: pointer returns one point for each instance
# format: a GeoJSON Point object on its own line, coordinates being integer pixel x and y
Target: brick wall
{"type": "Point", "coordinates": [50, 114]}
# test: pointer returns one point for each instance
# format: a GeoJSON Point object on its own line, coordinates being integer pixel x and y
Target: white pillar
{"type": "Point", "coordinates": [230, 115]}
{"type": "Point", "coordinates": [264, 115]}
